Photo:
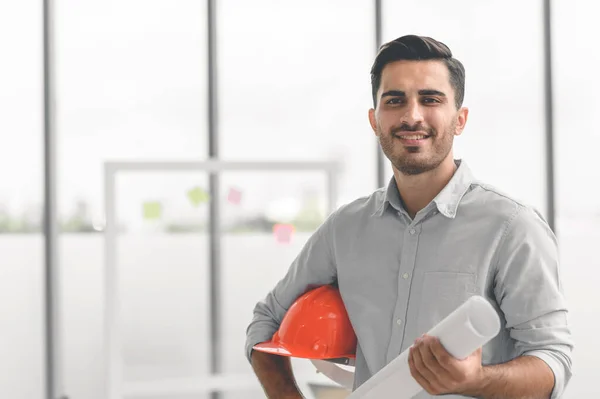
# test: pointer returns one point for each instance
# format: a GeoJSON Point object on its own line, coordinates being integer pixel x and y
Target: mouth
{"type": "Point", "coordinates": [412, 138]}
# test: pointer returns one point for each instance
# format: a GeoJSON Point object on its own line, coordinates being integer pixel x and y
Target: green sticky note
{"type": "Point", "coordinates": [197, 195]}
{"type": "Point", "coordinates": [152, 210]}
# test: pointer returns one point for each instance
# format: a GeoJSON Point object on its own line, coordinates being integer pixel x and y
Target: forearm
{"type": "Point", "coordinates": [276, 376]}
{"type": "Point", "coordinates": [525, 377]}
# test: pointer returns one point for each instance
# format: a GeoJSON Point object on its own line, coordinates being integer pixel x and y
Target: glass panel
{"type": "Point", "coordinates": [294, 85]}
{"type": "Point", "coordinates": [131, 85]}
{"type": "Point", "coordinates": [504, 142]}
{"type": "Point", "coordinates": [574, 32]}
{"type": "Point", "coordinates": [21, 201]}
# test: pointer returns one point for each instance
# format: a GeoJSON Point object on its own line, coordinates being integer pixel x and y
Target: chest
{"type": "Point", "coordinates": [391, 270]}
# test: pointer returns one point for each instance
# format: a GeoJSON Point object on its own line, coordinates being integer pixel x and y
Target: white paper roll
{"type": "Point", "coordinates": [462, 332]}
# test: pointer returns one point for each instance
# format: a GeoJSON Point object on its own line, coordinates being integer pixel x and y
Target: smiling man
{"type": "Point", "coordinates": [409, 254]}
{"type": "Point", "coordinates": [415, 120]}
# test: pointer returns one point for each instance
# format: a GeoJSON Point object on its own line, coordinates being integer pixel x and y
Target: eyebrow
{"type": "Point", "coordinates": [400, 93]}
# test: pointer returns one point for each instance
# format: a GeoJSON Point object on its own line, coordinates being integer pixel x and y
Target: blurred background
{"type": "Point", "coordinates": [162, 82]}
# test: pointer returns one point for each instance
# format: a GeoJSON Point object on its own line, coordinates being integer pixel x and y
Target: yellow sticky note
{"type": "Point", "coordinates": [197, 195]}
{"type": "Point", "coordinates": [152, 210]}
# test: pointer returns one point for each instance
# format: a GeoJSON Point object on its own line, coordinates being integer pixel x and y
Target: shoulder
{"type": "Point", "coordinates": [366, 204]}
{"type": "Point", "coordinates": [361, 207]}
{"type": "Point", "coordinates": [497, 203]}
{"type": "Point", "coordinates": [521, 222]}
{"type": "Point", "coordinates": [356, 212]}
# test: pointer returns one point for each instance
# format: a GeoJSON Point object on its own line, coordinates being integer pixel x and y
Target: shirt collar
{"type": "Point", "coordinates": [446, 201]}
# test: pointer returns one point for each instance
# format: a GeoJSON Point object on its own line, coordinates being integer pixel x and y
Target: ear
{"type": "Point", "coordinates": [373, 121]}
{"type": "Point", "coordinates": [461, 120]}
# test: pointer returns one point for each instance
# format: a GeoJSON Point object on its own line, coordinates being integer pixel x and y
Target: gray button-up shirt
{"type": "Point", "coordinates": [399, 277]}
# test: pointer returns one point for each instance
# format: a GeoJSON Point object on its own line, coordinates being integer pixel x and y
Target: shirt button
{"type": "Point", "coordinates": [412, 231]}
{"type": "Point", "coordinates": [405, 276]}
{"type": "Point", "coordinates": [399, 322]}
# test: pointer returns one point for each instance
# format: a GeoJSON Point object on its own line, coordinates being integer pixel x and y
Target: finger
{"type": "Point", "coordinates": [432, 362]}
{"type": "Point", "coordinates": [422, 381]}
{"type": "Point", "coordinates": [422, 368]}
{"type": "Point", "coordinates": [443, 357]}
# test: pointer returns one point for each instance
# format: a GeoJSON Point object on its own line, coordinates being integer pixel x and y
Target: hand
{"type": "Point", "coordinates": [438, 372]}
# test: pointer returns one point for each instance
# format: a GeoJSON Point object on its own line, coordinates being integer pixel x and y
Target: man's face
{"type": "Point", "coordinates": [416, 117]}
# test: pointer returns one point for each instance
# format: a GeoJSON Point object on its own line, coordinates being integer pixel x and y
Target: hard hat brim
{"type": "Point", "coordinates": [270, 347]}
{"type": "Point", "coordinates": [281, 350]}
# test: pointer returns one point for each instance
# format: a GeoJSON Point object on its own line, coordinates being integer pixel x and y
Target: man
{"type": "Point", "coordinates": [408, 255]}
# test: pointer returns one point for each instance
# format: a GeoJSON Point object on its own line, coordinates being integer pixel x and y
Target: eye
{"type": "Point", "coordinates": [431, 100]}
{"type": "Point", "coordinates": [394, 101]}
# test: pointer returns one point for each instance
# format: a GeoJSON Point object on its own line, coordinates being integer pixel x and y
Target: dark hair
{"type": "Point", "coordinates": [412, 47]}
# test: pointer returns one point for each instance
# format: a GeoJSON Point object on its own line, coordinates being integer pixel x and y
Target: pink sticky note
{"type": "Point", "coordinates": [234, 196]}
{"type": "Point", "coordinates": [283, 233]}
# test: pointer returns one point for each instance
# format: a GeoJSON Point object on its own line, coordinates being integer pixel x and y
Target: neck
{"type": "Point", "coordinates": [417, 191]}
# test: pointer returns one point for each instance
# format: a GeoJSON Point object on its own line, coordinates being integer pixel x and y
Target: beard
{"type": "Point", "coordinates": [414, 160]}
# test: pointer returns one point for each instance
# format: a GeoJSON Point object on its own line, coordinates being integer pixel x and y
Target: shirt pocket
{"type": "Point", "coordinates": [441, 294]}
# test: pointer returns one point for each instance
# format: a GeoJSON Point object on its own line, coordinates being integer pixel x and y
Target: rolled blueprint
{"type": "Point", "coordinates": [462, 332]}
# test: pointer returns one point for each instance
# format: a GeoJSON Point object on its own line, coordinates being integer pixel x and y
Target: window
{"type": "Point", "coordinates": [504, 140]}
{"type": "Point", "coordinates": [131, 85]}
{"type": "Point", "coordinates": [294, 85]}
{"type": "Point", "coordinates": [577, 140]}
{"type": "Point", "coordinates": [21, 201]}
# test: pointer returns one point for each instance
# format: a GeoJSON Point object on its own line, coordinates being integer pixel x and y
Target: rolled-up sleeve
{"type": "Point", "coordinates": [529, 290]}
{"type": "Point", "coordinates": [313, 267]}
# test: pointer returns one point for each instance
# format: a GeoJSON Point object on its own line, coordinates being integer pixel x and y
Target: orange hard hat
{"type": "Point", "coordinates": [316, 326]}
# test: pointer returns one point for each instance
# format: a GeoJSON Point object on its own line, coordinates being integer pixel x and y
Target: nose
{"type": "Point", "coordinates": [413, 114]}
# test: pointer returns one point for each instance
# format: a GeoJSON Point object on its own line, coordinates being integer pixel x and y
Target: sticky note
{"type": "Point", "coordinates": [234, 196]}
{"type": "Point", "coordinates": [283, 233]}
{"type": "Point", "coordinates": [152, 210]}
{"type": "Point", "coordinates": [197, 196]}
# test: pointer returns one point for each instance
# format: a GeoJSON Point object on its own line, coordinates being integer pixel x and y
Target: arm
{"type": "Point", "coordinates": [439, 373]}
{"type": "Point", "coordinates": [526, 377]}
{"type": "Point", "coordinates": [529, 290]}
{"type": "Point", "coordinates": [276, 376]}
{"type": "Point", "coordinates": [313, 267]}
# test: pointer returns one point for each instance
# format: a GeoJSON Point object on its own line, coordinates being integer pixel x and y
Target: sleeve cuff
{"type": "Point", "coordinates": [556, 367]}
{"type": "Point", "coordinates": [254, 339]}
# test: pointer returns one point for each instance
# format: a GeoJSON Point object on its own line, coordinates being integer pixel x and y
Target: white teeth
{"type": "Point", "coordinates": [414, 137]}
